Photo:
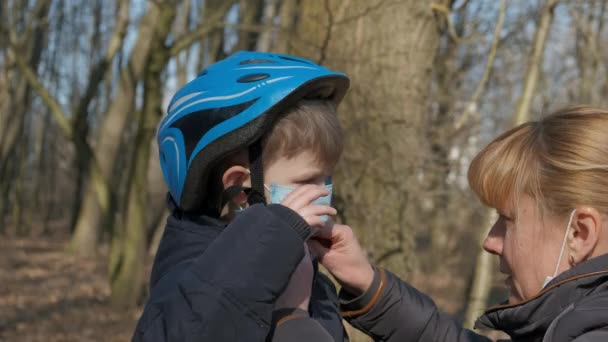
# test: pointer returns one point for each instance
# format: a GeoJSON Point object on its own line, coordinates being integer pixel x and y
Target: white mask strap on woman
{"type": "Point", "coordinates": [561, 252]}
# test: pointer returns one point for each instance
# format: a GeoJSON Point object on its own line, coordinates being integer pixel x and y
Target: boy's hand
{"type": "Point", "coordinates": [297, 292]}
{"type": "Point", "coordinates": [337, 248]}
{"type": "Point", "coordinates": [300, 200]}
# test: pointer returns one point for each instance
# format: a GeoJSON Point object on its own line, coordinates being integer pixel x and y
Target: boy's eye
{"type": "Point", "coordinates": [305, 181]}
{"type": "Point", "coordinates": [312, 180]}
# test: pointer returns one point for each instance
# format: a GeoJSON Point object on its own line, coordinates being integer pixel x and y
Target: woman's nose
{"type": "Point", "coordinates": [494, 241]}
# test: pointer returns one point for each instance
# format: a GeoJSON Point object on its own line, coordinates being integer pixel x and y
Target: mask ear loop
{"type": "Point", "coordinates": [561, 252]}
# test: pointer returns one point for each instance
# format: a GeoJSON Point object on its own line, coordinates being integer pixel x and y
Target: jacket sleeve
{"type": "Point", "coordinates": [593, 336]}
{"type": "Point", "coordinates": [294, 325]}
{"type": "Point", "coordinates": [228, 292]}
{"type": "Point", "coordinates": [323, 322]}
{"type": "Point", "coordinates": [583, 321]}
{"type": "Point", "coordinates": [392, 310]}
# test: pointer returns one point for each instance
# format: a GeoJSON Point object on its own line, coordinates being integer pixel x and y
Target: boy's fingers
{"type": "Point", "coordinates": [317, 210]}
{"type": "Point", "coordinates": [306, 196]}
{"type": "Point", "coordinates": [302, 196]}
{"type": "Point", "coordinates": [314, 221]}
{"type": "Point", "coordinates": [295, 194]}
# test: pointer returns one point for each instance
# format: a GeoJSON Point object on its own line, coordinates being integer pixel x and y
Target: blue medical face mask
{"type": "Point", "coordinates": [279, 192]}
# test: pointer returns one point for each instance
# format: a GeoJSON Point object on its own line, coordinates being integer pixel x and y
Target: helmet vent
{"type": "Point", "coordinates": [256, 61]}
{"type": "Point", "coordinates": [295, 60]}
{"type": "Point", "coordinates": [253, 78]}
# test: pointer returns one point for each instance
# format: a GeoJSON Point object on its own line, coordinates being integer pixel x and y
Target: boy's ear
{"type": "Point", "coordinates": [237, 175]}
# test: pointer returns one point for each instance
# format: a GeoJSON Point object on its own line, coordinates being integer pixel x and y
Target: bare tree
{"type": "Point", "coordinates": [129, 243]}
{"type": "Point", "coordinates": [482, 278]}
{"type": "Point", "coordinates": [533, 68]}
{"type": "Point", "coordinates": [383, 113]}
{"type": "Point", "coordinates": [23, 47]}
{"type": "Point", "coordinates": [111, 133]}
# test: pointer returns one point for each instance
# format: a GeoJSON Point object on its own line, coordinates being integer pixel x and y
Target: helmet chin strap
{"type": "Point", "coordinates": [256, 195]}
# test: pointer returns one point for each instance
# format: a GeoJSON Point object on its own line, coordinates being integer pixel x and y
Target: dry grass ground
{"type": "Point", "coordinates": [48, 295]}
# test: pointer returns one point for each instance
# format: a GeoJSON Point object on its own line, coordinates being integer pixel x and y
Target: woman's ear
{"type": "Point", "coordinates": [584, 234]}
{"type": "Point", "coordinates": [240, 176]}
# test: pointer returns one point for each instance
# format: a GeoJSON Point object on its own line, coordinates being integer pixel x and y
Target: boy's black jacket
{"type": "Point", "coordinates": [217, 282]}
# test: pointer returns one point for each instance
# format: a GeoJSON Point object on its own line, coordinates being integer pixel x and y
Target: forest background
{"type": "Point", "coordinates": [83, 85]}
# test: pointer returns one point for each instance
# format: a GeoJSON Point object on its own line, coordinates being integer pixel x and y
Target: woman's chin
{"type": "Point", "coordinates": [514, 296]}
{"type": "Point", "coordinates": [514, 299]}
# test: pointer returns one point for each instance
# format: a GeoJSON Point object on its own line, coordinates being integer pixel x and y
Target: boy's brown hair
{"type": "Point", "coordinates": [310, 125]}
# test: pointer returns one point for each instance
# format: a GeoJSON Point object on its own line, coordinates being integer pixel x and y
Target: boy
{"type": "Point", "coordinates": [252, 129]}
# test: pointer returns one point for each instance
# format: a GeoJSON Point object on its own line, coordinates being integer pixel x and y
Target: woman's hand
{"type": "Point", "coordinates": [337, 248]}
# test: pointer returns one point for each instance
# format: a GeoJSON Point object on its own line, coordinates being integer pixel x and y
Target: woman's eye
{"type": "Point", "coordinates": [505, 218]}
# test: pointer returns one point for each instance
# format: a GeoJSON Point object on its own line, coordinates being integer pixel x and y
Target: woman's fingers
{"type": "Point", "coordinates": [317, 249]}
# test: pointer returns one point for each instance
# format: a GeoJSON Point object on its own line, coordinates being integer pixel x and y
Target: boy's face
{"type": "Point", "coordinates": [299, 170]}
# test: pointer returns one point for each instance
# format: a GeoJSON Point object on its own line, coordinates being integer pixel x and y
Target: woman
{"type": "Point", "coordinates": [548, 180]}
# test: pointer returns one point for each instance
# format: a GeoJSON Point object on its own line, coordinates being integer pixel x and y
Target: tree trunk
{"type": "Point", "coordinates": [264, 42]}
{"type": "Point", "coordinates": [589, 19]}
{"type": "Point", "coordinates": [383, 113]}
{"type": "Point", "coordinates": [108, 148]}
{"type": "Point", "coordinates": [31, 44]}
{"type": "Point", "coordinates": [129, 244]}
{"type": "Point", "coordinates": [183, 58]}
{"type": "Point", "coordinates": [16, 94]}
{"type": "Point", "coordinates": [482, 278]}
{"type": "Point", "coordinates": [80, 110]}
{"type": "Point", "coordinates": [287, 25]}
{"type": "Point", "coordinates": [250, 12]}
{"type": "Point", "coordinates": [535, 60]}
{"type": "Point", "coordinates": [213, 43]}
{"type": "Point", "coordinates": [449, 64]}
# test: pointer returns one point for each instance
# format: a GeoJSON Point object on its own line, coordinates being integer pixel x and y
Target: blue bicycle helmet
{"type": "Point", "coordinates": [228, 107]}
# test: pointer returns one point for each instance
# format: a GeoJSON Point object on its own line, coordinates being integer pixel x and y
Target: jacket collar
{"type": "Point", "coordinates": [528, 321]}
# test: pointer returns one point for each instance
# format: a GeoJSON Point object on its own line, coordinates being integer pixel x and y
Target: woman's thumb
{"type": "Point", "coordinates": [317, 249]}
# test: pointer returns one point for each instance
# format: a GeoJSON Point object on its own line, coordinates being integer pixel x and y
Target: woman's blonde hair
{"type": "Point", "coordinates": [560, 161]}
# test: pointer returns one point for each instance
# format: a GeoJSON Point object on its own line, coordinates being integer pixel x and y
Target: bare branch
{"type": "Point", "coordinates": [329, 29]}
{"type": "Point", "coordinates": [98, 71]}
{"type": "Point", "coordinates": [533, 70]}
{"type": "Point", "coordinates": [448, 16]}
{"type": "Point", "coordinates": [471, 107]}
{"type": "Point", "coordinates": [187, 39]}
{"type": "Point", "coordinates": [60, 116]}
